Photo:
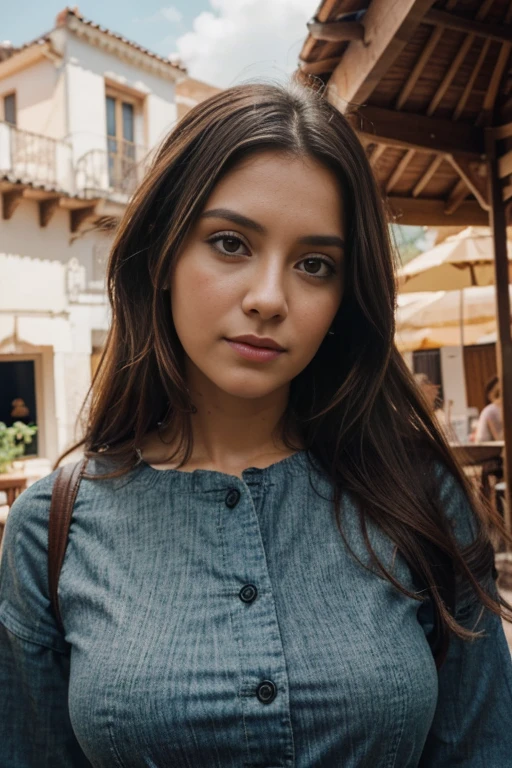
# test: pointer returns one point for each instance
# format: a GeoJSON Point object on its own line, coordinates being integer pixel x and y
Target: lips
{"type": "Point", "coordinates": [261, 342]}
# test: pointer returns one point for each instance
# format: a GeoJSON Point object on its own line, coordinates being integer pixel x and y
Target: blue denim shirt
{"type": "Point", "coordinates": [218, 622]}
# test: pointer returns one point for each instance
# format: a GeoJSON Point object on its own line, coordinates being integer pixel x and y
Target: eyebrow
{"type": "Point", "coordinates": [243, 221]}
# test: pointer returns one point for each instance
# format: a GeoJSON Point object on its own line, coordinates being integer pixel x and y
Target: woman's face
{"type": "Point", "coordinates": [265, 258]}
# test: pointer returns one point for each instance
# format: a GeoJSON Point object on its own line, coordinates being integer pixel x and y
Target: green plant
{"type": "Point", "coordinates": [13, 440]}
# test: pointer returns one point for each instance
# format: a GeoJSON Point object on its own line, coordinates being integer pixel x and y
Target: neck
{"type": "Point", "coordinates": [228, 429]}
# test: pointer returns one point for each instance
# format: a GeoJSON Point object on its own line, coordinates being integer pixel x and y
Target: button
{"type": "Point", "coordinates": [248, 593]}
{"type": "Point", "coordinates": [232, 498]}
{"type": "Point", "coordinates": [266, 691]}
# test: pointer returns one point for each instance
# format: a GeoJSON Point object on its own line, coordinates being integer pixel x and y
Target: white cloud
{"type": "Point", "coordinates": [171, 13]}
{"type": "Point", "coordinates": [245, 39]}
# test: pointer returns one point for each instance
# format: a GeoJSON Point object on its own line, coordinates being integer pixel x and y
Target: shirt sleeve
{"type": "Point", "coordinates": [472, 721]}
{"type": "Point", "coordinates": [35, 727]}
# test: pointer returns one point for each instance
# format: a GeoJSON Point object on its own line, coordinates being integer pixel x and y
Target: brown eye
{"type": "Point", "coordinates": [230, 244]}
{"type": "Point", "coordinates": [315, 263]}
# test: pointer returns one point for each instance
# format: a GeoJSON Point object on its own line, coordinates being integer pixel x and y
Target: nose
{"type": "Point", "coordinates": [265, 291]}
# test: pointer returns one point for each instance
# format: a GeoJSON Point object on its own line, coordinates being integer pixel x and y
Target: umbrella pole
{"type": "Point", "coordinates": [504, 341]}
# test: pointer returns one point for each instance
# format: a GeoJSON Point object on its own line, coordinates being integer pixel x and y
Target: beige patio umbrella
{"type": "Point", "coordinates": [442, 308]}
{"type": "Point", "coordinates": [462, 261]}
{"type": "Point", "coordinates": [411, 339]}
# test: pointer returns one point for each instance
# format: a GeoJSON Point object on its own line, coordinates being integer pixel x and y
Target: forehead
{"type": "Point", "coordinates": [273, 187]}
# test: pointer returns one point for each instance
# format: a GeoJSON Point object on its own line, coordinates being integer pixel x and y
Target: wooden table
{"type": "Point", "coordinates": [471, 454]}
{"type": "Point", "coordinates": [13, 484]}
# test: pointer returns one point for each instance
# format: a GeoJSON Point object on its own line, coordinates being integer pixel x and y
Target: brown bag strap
{"type": "Point", "coordinates": [64, 494]}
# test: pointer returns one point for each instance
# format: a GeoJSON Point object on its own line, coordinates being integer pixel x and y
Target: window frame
{"type": "Point", "coordinates": [5, 96]}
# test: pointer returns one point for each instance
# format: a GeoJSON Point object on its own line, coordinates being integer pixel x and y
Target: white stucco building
{"type": "Point", "coordinates": [81, 109]}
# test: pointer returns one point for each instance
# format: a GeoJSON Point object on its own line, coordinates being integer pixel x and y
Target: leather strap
{"type": "Point", "coordinates": [64, 494]}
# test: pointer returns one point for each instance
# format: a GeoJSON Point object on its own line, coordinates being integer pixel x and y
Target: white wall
{"type": "Point", "coordinates": [454, 382]}
{"type": "Point", "coordinates": [86, 70]}
{"type": "Point", "coordinates": [39, 98]}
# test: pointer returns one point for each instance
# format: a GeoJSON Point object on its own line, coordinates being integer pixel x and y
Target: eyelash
{"type": "Point", "coordinates": [231, 236]}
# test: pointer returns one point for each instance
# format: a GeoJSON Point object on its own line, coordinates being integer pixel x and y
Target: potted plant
{"type": "Point", "coordinates": [13, 440]}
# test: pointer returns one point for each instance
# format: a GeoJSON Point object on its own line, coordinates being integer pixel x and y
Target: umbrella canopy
{"type": "Point", "coordinates": [411, 339]}
{"type": "Point", "coordinates": [442, 308]}
{"type": "Point", "coordinates": [460, 261]}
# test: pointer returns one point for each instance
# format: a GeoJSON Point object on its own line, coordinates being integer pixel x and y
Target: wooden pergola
{"type": "Point", "coordinates": [428, 86]}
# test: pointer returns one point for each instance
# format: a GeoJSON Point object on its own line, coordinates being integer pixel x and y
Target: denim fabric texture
{"type": "Point", "coordinates": [213, 621]}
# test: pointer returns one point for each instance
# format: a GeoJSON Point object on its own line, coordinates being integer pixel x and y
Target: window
{"type": "Point", "coordinates": [10, 108]}
{"type": "Point", "coordinates": [121, 141]}
{"type": "Point", "coordinates": [18, 396]}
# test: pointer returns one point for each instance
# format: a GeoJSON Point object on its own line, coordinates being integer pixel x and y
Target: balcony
{"type": "Point", "coordinates": [109, 170]}
{"type": "Point", "coordinates": [29, 158]}
{"type": "Point", "coordinates": [113, 173]}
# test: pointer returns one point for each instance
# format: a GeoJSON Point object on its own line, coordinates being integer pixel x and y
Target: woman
{"type": "Point", "coordinates": [490, 421]}
{"type": "Point", "coordinates": [273, 558]}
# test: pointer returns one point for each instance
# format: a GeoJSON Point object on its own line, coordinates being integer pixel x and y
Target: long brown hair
{"type": "Point", "coordinates": [358, 409]}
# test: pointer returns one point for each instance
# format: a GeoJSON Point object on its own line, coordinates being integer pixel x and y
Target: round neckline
{"type": "Point", "coordinates": [286, 463]}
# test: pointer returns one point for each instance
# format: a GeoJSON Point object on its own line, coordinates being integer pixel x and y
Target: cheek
{"type": "Point", "coordinates": [198, 300]}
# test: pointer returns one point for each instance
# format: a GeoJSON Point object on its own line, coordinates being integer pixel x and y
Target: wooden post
{"type": "Point", "coordinates": [504, 340]}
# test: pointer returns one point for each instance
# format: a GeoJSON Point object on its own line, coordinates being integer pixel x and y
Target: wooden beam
{"type": "Point", "coordinates": [505, 164]}
{"type": "Point", "coordinates": [414, 131]}
{"type": "Point", "coordinates": [469, 174]}
{"type": "Point", "coordinates": [47, 209]}
{"type": "Point", "coordinates": [319, 67]}
{"type": "Point", "coordinates": [418, 67]}
{"type": "Point", "coordinates": [492, 90]}
{"type": "Point", "coordinates": [422, 183]}
{"type": "Point", "coordinates": [500, 32]}
{"type": "Point", "coordinates": [457, 196]}
{"type": "Point", "coordinates": [502, 131]}
{"type": "Point", "coordinates": [400, 168]}
{"type": "Point", "coordinates": [504, 342]}
{"type": "Point", "coordinates": [336, 31]}
{"type": "Point", "coordinates": [376, 154]}
{"type": "Point", "coordinates": [10, 201]}
{"type": "Point", "coordinates": [450, 74]}
{"type": "Point", "coordinates": [425, 212]}
{"type": "Point", "coordinates": [78, 215]}
{"type": "Point", "coordinates": [388, 29]}
{"type": "Point", "coordinates": [470, 83]}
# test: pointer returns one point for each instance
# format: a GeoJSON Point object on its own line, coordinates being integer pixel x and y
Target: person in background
{"type": "Point", "coordinates": [431, 394]}
{"type": "Point", "coordinates": [490, 421]}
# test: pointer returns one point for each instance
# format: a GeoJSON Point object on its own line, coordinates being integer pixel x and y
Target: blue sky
{"type": "Point", "coordinates": [220, 41]}
{"type": "Point", "coordinates": [133, 19]}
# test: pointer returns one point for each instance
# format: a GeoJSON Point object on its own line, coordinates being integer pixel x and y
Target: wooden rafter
{"type": "Point", "coordinates": [505, 164]}
{"type": "Point", "coordinates": [492, 90]}
{"type": "Point", "coordinates": [432, 213]}
{"type": "Point", "coordinates": [388, 29]}
{"type": "Point", "coordinates": [377, 153]}
{"type": "Point", "coordinates": [468, 172]}
{"type": "Point", "coordinates": [471, 81]}
{"type": "Point", "coordinates": [422, 183]}
{"type": "Point", "coordinates": [400, 168]}
{"type": "Point", "coordinates": [320, 66]}
{"type": "Point", "coordinates": [418, 67]}
{"type": "Point", "coordinates": [450, 74]}
{"type": "Point", "coordinates": [500, 32]}
{"type": "Point", "coordinates": [457, 196]}
{"type": "Point", "coordinates": [336, 31]}
{"type": "Point", "coordinates": [412, 131]}
{"type": "Point", "coordinates": [10, 201]}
